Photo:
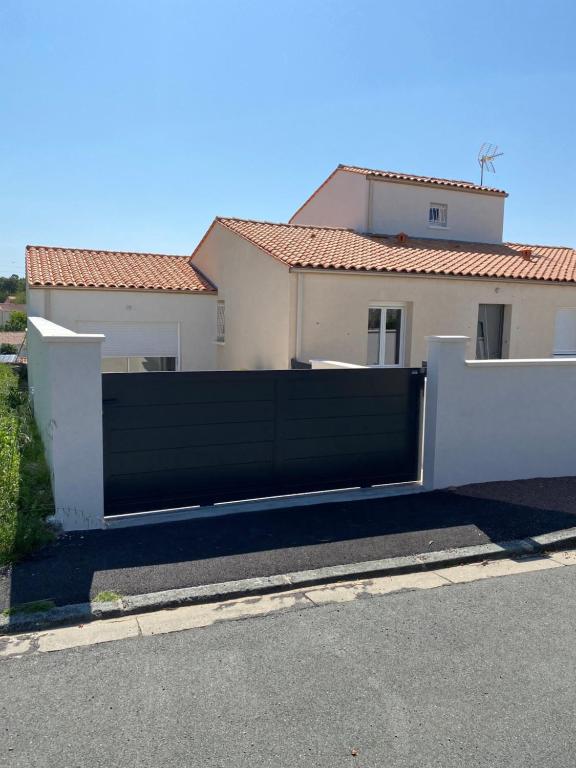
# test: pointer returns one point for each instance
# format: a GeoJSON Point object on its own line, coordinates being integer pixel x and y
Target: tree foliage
{"type": "Point", "coordinates": [12, 286]}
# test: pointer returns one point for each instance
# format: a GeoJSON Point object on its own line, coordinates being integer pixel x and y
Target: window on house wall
{"type": "Point", "coordinates": [385, 336]}
{"type": "Point", "coordinates": [490, 333]}
{"type": "Point", "coordinates": [565, 333]}
{"type": "Point", "coordinates": [221, 321]}
{"type": "Point", "coordinates": [438, 215]}
{"type": "Point", "coordinates": [138, 364]}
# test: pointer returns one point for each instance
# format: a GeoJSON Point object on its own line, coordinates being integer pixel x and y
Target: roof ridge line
{"type": "Point", "coordinates": [284, 224]}
{"type": "Point", "coordinates": [407, 173]}
{"type": "Point", "coordinates": [540, 245]}
{"type": "Point", "coordinates": [413, 238]}
{"type": "Point", "coordinates": [105, 250]}
{"type": "Point", "coordinates": [440, 180]}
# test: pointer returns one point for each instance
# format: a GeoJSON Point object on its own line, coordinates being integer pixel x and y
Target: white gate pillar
{"type": "Point", "coordinates": [444, 381]}
{"type": "Point", "coordinates": [65, 380]}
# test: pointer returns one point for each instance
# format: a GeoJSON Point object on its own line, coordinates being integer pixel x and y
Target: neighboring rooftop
{"type": "Point", "coordinates": [9, 306]}
{"type": "Point", "coordinates": [81, 268]}
{"type": "Point", "coordinates": [12, 337]}
{"type": "Point", "coordinates": [416, 179]}
{"type": "Point", "coordinates": [342, 249]}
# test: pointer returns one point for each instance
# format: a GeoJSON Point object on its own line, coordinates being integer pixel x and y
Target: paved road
{"type": "Point", "coordinates": [154, 558]}
{"type": "Point", "coordinates": [480, 674]}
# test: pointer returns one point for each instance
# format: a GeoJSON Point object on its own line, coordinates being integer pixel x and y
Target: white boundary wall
{"type": "Point", "coordinates": [484, 420]}
{"type": "Point", "coordinates": [65, 384]}
{"type": "Point", "coordinates": [496, 419]}
{"type": "Point", "coordinates": [319, 364]}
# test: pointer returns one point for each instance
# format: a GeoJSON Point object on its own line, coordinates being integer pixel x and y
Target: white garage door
{"type": "Point", "coordinates": [135, 339]}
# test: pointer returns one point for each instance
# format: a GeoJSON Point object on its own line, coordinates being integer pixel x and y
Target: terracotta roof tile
{"type": "Point", "coordinates": [330, 248]}
{"type": "Point", "coordinates": [79, 268]}
{"type": "Point", "coordinates": [432, 180]}
{"type": "Point", "coordinates": [12, 337]}
{"type": "Point", "coordinates": [8, 306]}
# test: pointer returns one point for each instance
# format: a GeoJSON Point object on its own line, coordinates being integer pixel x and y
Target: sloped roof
{"type": "Point", "coordinates": [81, 268]}
{"type": "Point", "coordinates": [342, 249]}
{"type": "Point", "coordinates": [432, 180]}
{"type": "Point", "coordinates": [12, 337]}
{"type": "Point", "coordinates": [8, 306]}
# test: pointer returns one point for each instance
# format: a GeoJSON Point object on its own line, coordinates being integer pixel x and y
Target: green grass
{"type": "Point", "coordinates": [107, 597]}
{"type": "Point", "coordinates": [38, 606]}
{"type": "Point", "coordinates": [25, 493]}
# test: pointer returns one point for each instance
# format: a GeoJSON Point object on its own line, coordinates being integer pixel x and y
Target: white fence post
{"type": "Point", "coordinates": [65, 379]}
{"type": "Point", "coordinates": [446, 363]}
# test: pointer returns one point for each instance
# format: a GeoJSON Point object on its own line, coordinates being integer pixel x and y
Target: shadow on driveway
{"type": "Point", "coordinates": [185, 554]}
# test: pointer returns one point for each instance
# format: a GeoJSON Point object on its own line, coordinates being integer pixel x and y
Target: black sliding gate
{"type": "Point", "coordinates": [182, 439]}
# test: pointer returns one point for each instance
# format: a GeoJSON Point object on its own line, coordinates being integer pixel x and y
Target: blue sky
{"type": "Point", "coordinates": [130, 124]}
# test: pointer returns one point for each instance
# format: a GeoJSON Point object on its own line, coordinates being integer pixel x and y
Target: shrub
{"type": "Point", "coordinates": [8, 349]}
{"type": "Point", "coordinates": [16, 322]}
{"type": "Point", "coordinates": [25, 493]}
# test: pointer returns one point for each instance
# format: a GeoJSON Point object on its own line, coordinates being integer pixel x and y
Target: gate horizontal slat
{"type": "Point", "coordinates": [186, 414]}
{"type": "Point", "coordinates": [175, 438]}
{"type": "Point", "coordinates": [318, 447]}
{"type": "Point", "coordinates": [181, 439]}
{"type": "Point", "coordinates": [338, 406]}
{"type": "Point", "coordinates": [188, 458]}
{"type": "Point", "coordinates": [185, 387]}
{"type": "Point", "coordinates": [293, 429]}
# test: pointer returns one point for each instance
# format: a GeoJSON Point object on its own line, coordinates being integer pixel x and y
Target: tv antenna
{"type": "Point", "coordinates": [488, 153]}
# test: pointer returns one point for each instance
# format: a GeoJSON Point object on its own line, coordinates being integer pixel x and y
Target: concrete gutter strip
{"type": "Point", "coordinates": [210, 593]}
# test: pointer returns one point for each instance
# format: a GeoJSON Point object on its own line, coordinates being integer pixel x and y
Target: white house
{"type": "Point", "coordinates": [158, 312]}
{"type": "Point", "coordinates": [371, 264]}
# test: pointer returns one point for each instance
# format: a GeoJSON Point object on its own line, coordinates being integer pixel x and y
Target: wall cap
{"type": "Point", "coordinates": [336, 363]}
{"type": "Point", "coordinates": [447, 339]}
{"type": "Point", "coordinates": [50, 331]}
{"type": "Point", "coordinates": [511, 363]}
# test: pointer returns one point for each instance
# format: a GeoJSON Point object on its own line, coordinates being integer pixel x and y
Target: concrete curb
{"type": "Point", "coordinates": [83, 613]}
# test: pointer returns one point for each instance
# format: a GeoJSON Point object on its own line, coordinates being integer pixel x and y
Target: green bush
{"type": "Point", "coordinates": [8, 349]}
{"type": "Point", "coordinates": [25, 493]}
{"type": "Point", "coordinates": [16, 322]}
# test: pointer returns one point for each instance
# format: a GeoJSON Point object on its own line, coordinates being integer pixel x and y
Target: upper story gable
{"type": "Point", "coordinates": [383, 202]}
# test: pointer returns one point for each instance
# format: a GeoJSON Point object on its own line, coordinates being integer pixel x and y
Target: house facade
{"type": "Point", "coordinates": [368, 267]}
{"type": "Point", "coordinates": [156, 311]}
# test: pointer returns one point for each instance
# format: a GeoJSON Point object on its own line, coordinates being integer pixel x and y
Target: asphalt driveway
{"type": "Point", "coordinates": [152, 558]}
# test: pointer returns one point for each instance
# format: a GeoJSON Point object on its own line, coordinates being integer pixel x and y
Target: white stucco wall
{"type": "Point", "coordinates": [334, 312]}
{"type": "Point", "coordinates": [256, 291]}
{"type": "Point", "coordinates": [474, 217]}
{"type": "Point", "coordinates": [385, 207]}
{"type": "Point", "coordinates": [341, 202]}
{"type": "Point", "coordinates": [497, 420]}
{"type": "Point", "coordinates": [195, 315]}
{"type": "Point", "coordinates": [65, 385]}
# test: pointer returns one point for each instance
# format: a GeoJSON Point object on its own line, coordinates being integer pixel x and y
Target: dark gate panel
{"type": "Point", "coordinates": [181, 439]}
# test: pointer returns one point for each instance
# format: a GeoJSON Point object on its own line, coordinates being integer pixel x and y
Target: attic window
{"type": "Point", "coordinates": [438, 215]}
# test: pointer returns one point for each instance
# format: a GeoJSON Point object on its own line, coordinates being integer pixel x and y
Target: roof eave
{"type": "Point", "coordinates": [433, 275]}
{"type": "Point", "coordinates": [186, 291]}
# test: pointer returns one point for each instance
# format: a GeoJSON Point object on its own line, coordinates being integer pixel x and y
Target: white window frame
{"type": "Point", "coordinates": [442, 222]}
{"type": "Point", "coordinates": [382, 347]}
